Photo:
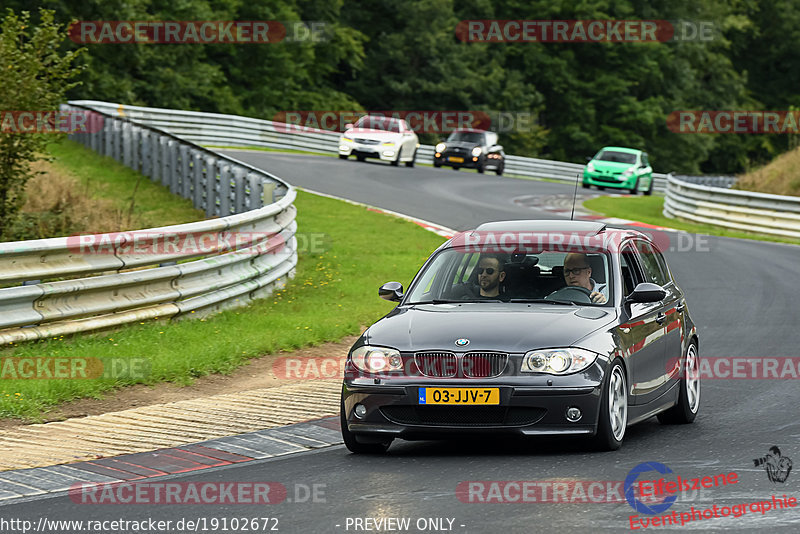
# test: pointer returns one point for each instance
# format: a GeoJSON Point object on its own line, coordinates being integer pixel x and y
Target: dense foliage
{"type": "Point", "coordinates": [383, 54]}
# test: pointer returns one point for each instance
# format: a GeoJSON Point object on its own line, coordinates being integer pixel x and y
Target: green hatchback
{"type": "Point", "coordinates": [619, 168]}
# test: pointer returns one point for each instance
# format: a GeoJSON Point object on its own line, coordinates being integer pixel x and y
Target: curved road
{"type": "Point", "coordinates": [743, 294]}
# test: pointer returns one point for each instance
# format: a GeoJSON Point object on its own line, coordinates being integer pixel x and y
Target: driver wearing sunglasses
{"type": "Point", "coordinates": [490, 274]}
{"type": "Point", "coordinates": [577, 272]}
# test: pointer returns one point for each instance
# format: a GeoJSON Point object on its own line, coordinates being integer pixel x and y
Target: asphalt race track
{"type": "Point", "coordinates": [742, 294]}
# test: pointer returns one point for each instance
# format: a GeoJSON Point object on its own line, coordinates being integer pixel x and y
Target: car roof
{"type": "Point", "coordinates": [537, 226]}
{"type": "Point", "coordinates": [622, 149]}
{"type": "Point", "coordinates": [473, 130]}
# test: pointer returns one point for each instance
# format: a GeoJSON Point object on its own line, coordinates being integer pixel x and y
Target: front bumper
{"type": "Point", "coordinates": [379, 151]}
{"type": "Point", "coordinates": [528, 406]}
{"type": "Point", "coordinates": [609, 180]}
{"type": "Point", "coordinates": [451, 159]}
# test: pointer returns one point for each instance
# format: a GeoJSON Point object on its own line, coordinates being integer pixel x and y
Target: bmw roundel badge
{"type": "Point", "coordinates": [462, 342]}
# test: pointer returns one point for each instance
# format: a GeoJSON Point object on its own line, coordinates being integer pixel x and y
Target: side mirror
{"type": "Point", "coordinates": [646, 292]}
{"type": "Point", "coordinates": [391, 291]}
{"type": "Point", "coordinates": [588, 158]}
{"type": "Point", "coordinates": [348, 125]}
{"type": "Point", "coordinates": [496, 148]}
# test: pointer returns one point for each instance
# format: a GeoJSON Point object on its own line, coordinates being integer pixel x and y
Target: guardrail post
{"type": "Point", "coordinates": [165, 160]}
{"type": "Point", "coordinates": [184, 189]}
{"type": "Point", "coordinates": [254, 182]}
{"type": "Point", "coordinates": [209, 186]}
{"type": "Point", "coordinates": [175, 167]}
{"type": "Point", "coordinates": [267, 192]}
{"type": "Point", "coordinates": [225, 190]}
{"type": "Point", "coordinates": [126, 144]}
{"type": "Point", "coordinates": [240, 190]}
{"type": "Point", "coordinates": [198, 170]}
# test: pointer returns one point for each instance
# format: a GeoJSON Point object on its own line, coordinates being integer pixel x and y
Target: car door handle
{"type": "Point", "coordinates": [660, 318]}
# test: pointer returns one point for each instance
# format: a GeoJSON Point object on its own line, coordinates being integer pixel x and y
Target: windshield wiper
{"type": "Point", "coordinates": [447, 301]}
{"type": "Point", "coordinates": [545, 301]}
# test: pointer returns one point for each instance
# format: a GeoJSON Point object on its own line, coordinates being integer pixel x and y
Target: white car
{"type": "Point", "coordinates": [386, 138]}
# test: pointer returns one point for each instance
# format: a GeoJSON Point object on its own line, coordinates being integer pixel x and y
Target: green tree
{"type": "Point", "coordinates": [35, 78]}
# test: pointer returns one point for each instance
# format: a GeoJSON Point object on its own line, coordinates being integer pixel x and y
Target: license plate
{"type": "Point", "coordinates": [455, 159]}
{"type": "Point", "coordinates": [463, 396]}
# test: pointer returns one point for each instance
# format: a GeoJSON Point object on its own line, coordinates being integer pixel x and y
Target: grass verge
{"type": "Point", "coordinates": [649, 210]}
{"type": "Point", "coordinates": [333, 294]}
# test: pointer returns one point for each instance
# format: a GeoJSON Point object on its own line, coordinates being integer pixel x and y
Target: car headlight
{"type": "Point", "coordinates": [557, 361]}
{"type": "Point", "coordinates": [440, 147]}
{"type": "Point", "coordinates": [476, 151]}
{"type": "Point", "coordinates": [628, 172]}
{"type": "Point", "coordinates": [377, 359]}
{"type": "Point", "coordinates": [590, 167]}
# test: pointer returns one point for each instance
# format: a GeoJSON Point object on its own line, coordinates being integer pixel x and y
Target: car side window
{"type": "Point", "coordinates": [645, 162]}
{"type": "Point", "coordinates": [652, 268]}
{"type": "Point", "coordinates": [631, 272]}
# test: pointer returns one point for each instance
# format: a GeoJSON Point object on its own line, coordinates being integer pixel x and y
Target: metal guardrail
{"type": "Point", "coordinates": [215, 129]}
{"type": "Point", "coordinates": [739, 210]}
{"type": "Point", "coordinates": [130, 276]}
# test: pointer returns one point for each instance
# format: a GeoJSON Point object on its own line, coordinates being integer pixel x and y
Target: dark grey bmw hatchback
{"type": "Point", "coordinates": [526, 327]}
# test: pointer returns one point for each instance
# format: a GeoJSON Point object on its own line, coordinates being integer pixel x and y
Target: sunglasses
{"type": "Point", "coordinates": [488, 270]}
{"type": "Point", "coordinates": [576, 270]}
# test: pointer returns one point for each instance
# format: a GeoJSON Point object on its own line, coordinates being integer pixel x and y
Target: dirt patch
{"type": "Point", "coordinates": [256, 374]}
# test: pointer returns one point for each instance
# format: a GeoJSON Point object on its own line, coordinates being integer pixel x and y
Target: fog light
{"type": "Point", "coordinates": [573, 414]}
{"type": "Point", "coordinates": [361, 410]}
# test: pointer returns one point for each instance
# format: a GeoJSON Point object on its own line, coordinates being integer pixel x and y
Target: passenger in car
{"type": "Point", "coordinates": [577, 272]}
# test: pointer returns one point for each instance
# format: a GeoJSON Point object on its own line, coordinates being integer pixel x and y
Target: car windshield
{"type": "Point", "coordinates": [469, 137]}
{"type": "Point", "coordinates": [371, 122]}
{"type": "Point", "coordinates": [463, 274]}
{"type": "Point", "coordinates": [616, 157]}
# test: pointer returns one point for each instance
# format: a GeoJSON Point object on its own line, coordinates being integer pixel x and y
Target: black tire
{"type": "Point", "coordinates": [635, 188]}
{"type": "Point", "coordinates": [650, 187]}
{"type": "Point", "coordinates": [342, 156]}
{"type": "Point", "coordinates": [396, 160]}
{"type": "Point", "coordinates": [355, 446]}
{"type": "Point", "coordinates": [500, 169]}
{"type": "Point", "coordinates": [585, 185]}
{"type": "Point", "coordinates": [609, 437]}
{"type": "Point", "coordinates": [437, 165]}
{"type": "Point", "coordinates": [359, 157]}
{"type": "Point", "coordinates": [688, 400]}
{"type": "Point", "coordinates": [413, 159]}
{"type": "Point", "coordinates": [480, 168]}
{"type": "Point", "coordinates": [601, 188]}
{"type": "Point", "coordinates": [455, 168]}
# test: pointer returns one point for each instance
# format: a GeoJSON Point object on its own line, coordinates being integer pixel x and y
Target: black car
{"type": "Point", "coordinates": [473, 149]}
{"type": "Point", "coordinates": [490, 338]}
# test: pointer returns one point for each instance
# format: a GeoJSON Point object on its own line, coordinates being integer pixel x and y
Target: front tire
{"type": "Point", "coordinates": [689, 393]}
{"type": "Point", "coordinates": [342, 156]}
{"type": "Point", "coordinates": [585, 185]}
{"type": "Point", "coordinates": [396, 160]}
{"type": "Point", "coordinates": [353, 445]}
{"type": "Point", "coordinates": [413, 158]}
{"type": "Point", "coordinates": [499, 170]}
{"type": "Point", "coordinates": [650, 187]}
{"type": "Point", "coordinates": [635, 188]}
{"type": "Point", "coordinates": [359, 157]}
{"type": "Point", "coordinates": [613, 410]}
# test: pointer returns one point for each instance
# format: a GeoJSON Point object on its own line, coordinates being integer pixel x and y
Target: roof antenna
{"type": "Point", "coordinates": [574, 197]}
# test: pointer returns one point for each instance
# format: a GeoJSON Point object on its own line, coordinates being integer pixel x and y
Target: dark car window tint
{"type": "Point", "coordinates": [616, 157]}
{"type": "Point", "coordinates": [652, 268]}
{"type": "Point", "coordinates": [468, 137]}
{"type": "Point", "coordinates": [631, 273]}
